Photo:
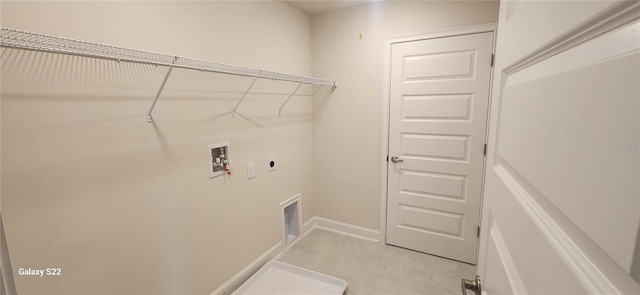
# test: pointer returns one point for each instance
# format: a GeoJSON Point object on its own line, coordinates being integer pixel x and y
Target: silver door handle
{"type": "Point", "coordinates": [475, 285]}
{"type": "Point", "coordinates": [396, 160]}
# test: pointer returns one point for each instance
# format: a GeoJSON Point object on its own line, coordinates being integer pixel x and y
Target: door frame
{"type": "Point", "coordinates": [386, 93]}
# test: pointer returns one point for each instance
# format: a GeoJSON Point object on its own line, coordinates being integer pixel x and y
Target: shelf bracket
{"type": "Point", "coordinates": [290, 96]}
{"type": "Point", "coordinates": [333, 88]}
{"type": "Point", "coordinates": [166, 77]}
{"type": "Point", "coordinates": [233, 113]}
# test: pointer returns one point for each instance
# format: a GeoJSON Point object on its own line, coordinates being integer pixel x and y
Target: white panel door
{"type": "Point", "coordinates": [561, 206]}
{"type": "Point", "coordinates": [439, 92]}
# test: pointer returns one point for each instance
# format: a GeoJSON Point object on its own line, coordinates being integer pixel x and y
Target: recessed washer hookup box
{"type": "Point", "coordinates": [280, 278]}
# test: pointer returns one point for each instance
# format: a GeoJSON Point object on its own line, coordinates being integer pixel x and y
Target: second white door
{"type": "Point", "coordinates": [439, 94]}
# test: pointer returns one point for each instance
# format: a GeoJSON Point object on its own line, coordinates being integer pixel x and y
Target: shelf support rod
{"type": "Point", "coordinates": [166, 77]}
{"type": "Point", "coordinates": [290, 96]}
{"type": "Point", "coordinates": [315, 91]}
{"type": "Point", "coordinates": [333, 88]}
{"type": "Point", "coordinates": [233, 113]}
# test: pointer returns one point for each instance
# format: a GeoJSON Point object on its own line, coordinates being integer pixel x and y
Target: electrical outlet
{"type": "Point", "coordinates": [271, 164]}
{"type": "Point", "coordinates": [251, 170]}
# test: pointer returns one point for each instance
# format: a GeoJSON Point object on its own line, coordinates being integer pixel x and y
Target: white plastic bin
{"type": "Point", "coordinates": [280, 278]}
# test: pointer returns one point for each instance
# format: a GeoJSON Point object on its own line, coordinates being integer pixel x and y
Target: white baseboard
{"type": "Point", "coordinates": [348, 229]}
{"type": "Point", "coordinates": [243, 275]}
{"type": "Point", "coordinates": [277, 250]}
{"type": "Point", "coordinates": [309, 225]}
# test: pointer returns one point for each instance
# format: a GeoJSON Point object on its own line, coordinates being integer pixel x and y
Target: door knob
{"type": "Point", "coordinates": [475, 285]}
{"type": "Point", "coordinates": [396, 160]}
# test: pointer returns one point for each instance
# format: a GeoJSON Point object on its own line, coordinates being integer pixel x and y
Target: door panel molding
{"type": "Point", "coordinates": [614, 16]}
{"type": "Point", "coordinates": [508, 270]}
{"type": "Point", "coordinates": [576, 252]}
{"type": "Point", "coordinates": [578, 249]}
{"type": "Point", "coordinates": [547, 220]}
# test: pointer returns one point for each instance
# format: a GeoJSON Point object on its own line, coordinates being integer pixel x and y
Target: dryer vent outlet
{"type": "Point", "coordinates": [292, 217]}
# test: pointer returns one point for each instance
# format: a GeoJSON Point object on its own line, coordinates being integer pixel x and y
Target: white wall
{"type": "Point", "coordinates": [348, 45]}
{"type": "Point", "coordinates": [126, 207]}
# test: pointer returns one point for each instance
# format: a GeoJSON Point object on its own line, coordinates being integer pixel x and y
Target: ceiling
{"type": "Point", "coordinates": [313, 7]}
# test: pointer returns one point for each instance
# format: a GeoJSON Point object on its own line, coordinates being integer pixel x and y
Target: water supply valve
{"type": "Point", "coordinates": [219, 161]}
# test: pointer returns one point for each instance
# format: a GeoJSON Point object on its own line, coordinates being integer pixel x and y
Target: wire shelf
{"type": "Point", "coordinates": [12, 38]}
